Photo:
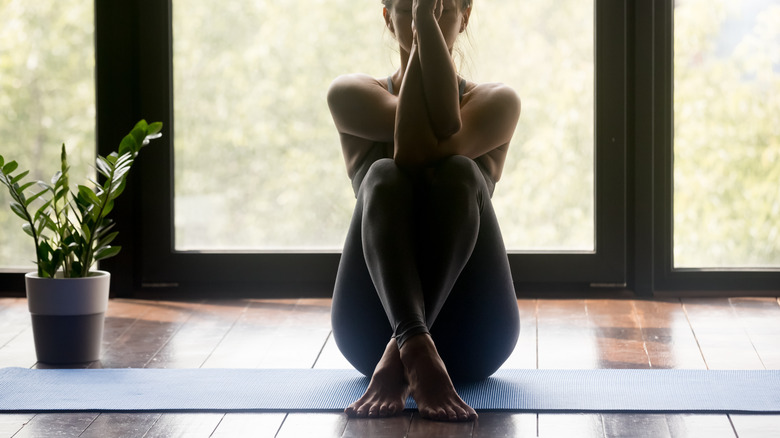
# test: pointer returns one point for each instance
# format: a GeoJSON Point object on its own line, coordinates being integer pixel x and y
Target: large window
{"type": "Point", "coordinates": [255, 147]}
{"type": "Point", "coordinates": [726, 135]}
{"type": "Point", "coordinates": [646, 154]}
{"type": "Point", "coordinates": [47, 98]}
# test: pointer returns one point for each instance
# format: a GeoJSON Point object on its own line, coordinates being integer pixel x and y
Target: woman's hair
{"type": "Point", "coordinates": [463, 3]}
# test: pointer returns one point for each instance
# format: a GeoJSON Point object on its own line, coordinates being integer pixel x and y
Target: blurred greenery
{"type": "Point", "coordinates": [47, 97]}
{"type": "Point", "coordinates": [260, 70]}
{"type": "Point", "coordinates": [268, 162]}
{"type": "Point", "coordinates": [727, 139]}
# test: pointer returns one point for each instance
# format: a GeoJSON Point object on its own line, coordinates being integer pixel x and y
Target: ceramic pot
{"type": "Point", "coordinates": [68, 316]}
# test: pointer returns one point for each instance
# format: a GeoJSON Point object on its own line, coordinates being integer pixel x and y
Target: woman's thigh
{"type": "Point", "coordinates": [478, 326]}
{"type": "Point", "coordinates": [361, 328]}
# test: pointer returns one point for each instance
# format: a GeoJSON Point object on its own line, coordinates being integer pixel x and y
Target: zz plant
{"type": "Point", "coordinates": [70, 229]}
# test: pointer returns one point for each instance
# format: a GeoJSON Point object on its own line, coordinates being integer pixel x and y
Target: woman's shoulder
{"type": "Point", "coordinates": [492, 91]}
{"type": "Point", "coordinates": [491, 97]}
{"type": "Point", "coordinates": [355, 82]}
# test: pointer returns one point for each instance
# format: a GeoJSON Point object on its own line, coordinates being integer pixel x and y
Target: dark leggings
{"type": "Point", "coordinates": [420, 249]}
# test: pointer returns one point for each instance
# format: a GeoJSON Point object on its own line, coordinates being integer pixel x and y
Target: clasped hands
{"type": "Point", "coordinates": [425, 8]}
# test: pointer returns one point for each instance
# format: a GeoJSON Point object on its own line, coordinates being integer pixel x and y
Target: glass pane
{"type": "Point", "coordinates": [545, 51]}
{"type": "Point", "coordinates": [47, 97]}
{"type": "Point", "coordinates": [726, 136]}
{"type": "Point", "coordinates": [255, 147]}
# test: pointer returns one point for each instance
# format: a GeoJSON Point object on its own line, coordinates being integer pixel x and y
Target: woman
{"type": "Point", "coordinates": [423, 148]}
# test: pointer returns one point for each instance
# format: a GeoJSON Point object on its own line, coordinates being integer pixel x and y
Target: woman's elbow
{"type": "Point", "coordinates": [447, 129]}
{"type": "Point", "coordinates": [408, 159]}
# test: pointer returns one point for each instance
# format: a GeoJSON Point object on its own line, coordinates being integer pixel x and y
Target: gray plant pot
{"type": "Point", "coordinates": [68, 315]}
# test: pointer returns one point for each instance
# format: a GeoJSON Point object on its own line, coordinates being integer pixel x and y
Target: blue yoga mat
{"type": "Point", "coordinates": [226, 390]}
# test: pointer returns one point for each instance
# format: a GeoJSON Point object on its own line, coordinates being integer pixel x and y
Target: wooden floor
{"type": "Point", "coordinates": [737, 333]}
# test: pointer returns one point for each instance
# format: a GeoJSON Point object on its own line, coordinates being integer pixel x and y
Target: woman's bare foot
{"type": "Point", "coordinates": [387, 391]}
{"type": "Point", "coordinates": [430, 384]}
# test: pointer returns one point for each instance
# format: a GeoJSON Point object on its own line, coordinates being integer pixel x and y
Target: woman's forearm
{"type": "Point", "coordinates": [414, 135]}
{"type": "Point", "coordinates": [439, 77]}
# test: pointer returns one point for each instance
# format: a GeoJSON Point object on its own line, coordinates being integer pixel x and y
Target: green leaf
{"type": "Point", "coordinates": [42, 210]}
{"type": "Point", "coordinates": [28, 229]}
{"type": "Point", "coordinates": [105, 241]}
{"type": "Point", "coordinates": [154, 128]}
{"type": "Point", "coordinates": [141, 124]}
{"type": "Point", "coordinates": [34, 197]}
{"type": "Point", "coordinates": [128, 145]}
{"type": "Point", "coordinates": [107, 209]}
{"type": "Point", "coordinates": [26, 186]}
{"type": "Point", "coordinates": [89, 195]}
{"type": "Point", "coordinates": [56, 178]}
{"type": "Point", "coordinates": [139, 134]}
{"type": "Point", "coordinates": [10, 167]}
{"type": "Point", "coordinates": [19, 210]}
{"type": "Point", "coordinates": [107, 252]}
{"type": "Point", "coordinates": [2, 161]}
{"type": "Point", "coordinates": [86, 231]}
{"type": "Point", "coordinates": [103, 166]}
{"type": "Point", "coordinates": [19, 177]}
{"type": "Point", "coordinates": [117, 190]}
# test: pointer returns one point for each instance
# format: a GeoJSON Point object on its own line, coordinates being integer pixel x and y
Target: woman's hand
{"type": "Point", "coordinates": [423, 8]}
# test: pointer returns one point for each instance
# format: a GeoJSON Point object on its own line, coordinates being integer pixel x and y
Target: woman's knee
{"type": "Point", "coordinates": [458, 171]}
{"type": "Point", "coordinates": [384, 177]}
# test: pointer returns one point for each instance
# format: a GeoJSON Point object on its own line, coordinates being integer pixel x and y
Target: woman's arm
{"type": "Point", "coordinates": [439, 76]}
{"type": "Point", "coordinates": [361, 107]}
{"type": "Point", "coordinates": [428, 106]}
{"type": "Point", "coordinates": [414, 139]}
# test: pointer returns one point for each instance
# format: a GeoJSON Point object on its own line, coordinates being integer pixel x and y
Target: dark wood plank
{"type": "Point", "coordinates": [505, 425]}
{"type": "Point", "coordinates": [567, 334]}
{"type": "Point", "coordinates": [249, 424]}
{"type": "Point", "coordinates": [668, 336]}
{"type": "Point", "coordinates": [121, 425]}
{"type": "Point", "coordinates": [566, 425]}
{"type": "Point", "coordinates": [262, 337]}
{"type": "Point", "coordinates": [14, 319]}
{"type": "Point", "coordinates": [635, 426]}
{"type": "Point", "coordinates": [136, 347]}
{"type": "Point", "coordinates": [725, 344]}
{"type": "Point", "coordinates": [721, 337]}
{"type": "Point", "coordinates": [622, 344]}
{"type": "Point", "coordinates": [564, 336]}
{"type": "Point", "coordinates": [16, 338]}
{"type": "Point", "coordinates": [566, 340]}
{"type": "Point", "coordinates": [19, 351]}
{"type": "Point", "coordinates": [190, 425]}
{"type": "Point", "coordinates": [199, 336]}
{"type": "Point", "coordinates": [698, 425]}
{"type": "Point", "coordinates": [756, 426]}
{"type": "Point", "coordinates": [619, 339]}
{"type": "Point", "coordinates": [327, 425]}
{"type": "Point", "coordinates": [761, 319]}
{"type": "Point", "coordinates": [671, 344]}
{"type": "Point", "coordinates": [120, 317]}
{"type": "Point", "coordinates": [10, 424]}
{"type": "Point", "coordinates": [422, 428]}
{"type": "Point", "coordinates": [378, 427]}
{"type": "Point", "coordinates": [57, 425]}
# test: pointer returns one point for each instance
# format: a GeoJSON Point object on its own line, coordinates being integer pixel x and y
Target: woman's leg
{"type": "Point", "coordinates": [392, 248]}
{"type": "Point", "coordinates": [470, 297]}
{"type": "Point", "coordinates": [360, 322]}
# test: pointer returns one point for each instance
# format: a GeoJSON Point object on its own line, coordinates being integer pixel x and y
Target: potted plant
{"type": "Point", "coordinates": [71, 232]}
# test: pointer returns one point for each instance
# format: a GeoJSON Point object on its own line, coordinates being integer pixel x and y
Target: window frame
{"type": "Point", "coordinates": [277, 274]}
{"type": "Point", "coordinates": [654, 189]}
{"type": "Point", "coordinates": [634, 240]}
